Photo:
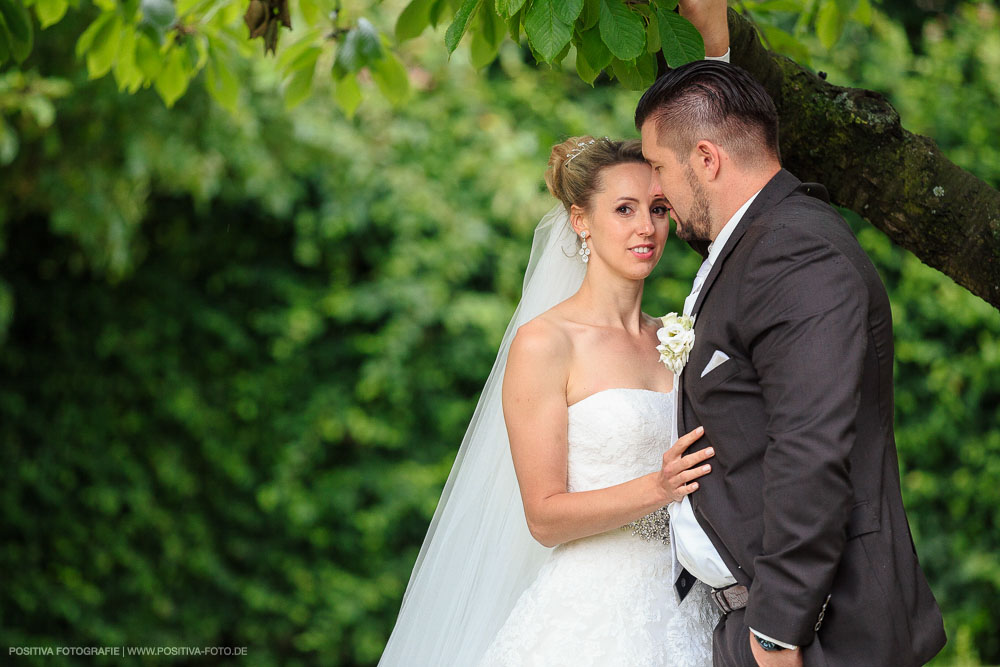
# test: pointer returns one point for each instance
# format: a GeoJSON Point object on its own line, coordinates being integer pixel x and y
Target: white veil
{"type": "Point", "coordinates": [478, 555]}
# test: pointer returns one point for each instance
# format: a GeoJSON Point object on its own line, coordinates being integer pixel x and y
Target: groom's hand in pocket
{"type": "Point", "coordinates": [785, 658]}
{"type": "Point", "coordinates": [679, 470]}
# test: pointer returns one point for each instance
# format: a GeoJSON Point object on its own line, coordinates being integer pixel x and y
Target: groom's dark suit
{"type": "Point", "coordinates": [804, 499]}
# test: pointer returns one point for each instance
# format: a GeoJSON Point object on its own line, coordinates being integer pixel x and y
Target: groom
{"type": "Point", "coordinates": [800, 527]}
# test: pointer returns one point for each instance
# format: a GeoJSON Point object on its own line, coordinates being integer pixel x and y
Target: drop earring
{"type": "Point", "coordinates": [584, 250]}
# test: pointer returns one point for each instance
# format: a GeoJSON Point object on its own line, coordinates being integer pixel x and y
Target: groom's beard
{"type": "Point", "coordinates": [697, 224]}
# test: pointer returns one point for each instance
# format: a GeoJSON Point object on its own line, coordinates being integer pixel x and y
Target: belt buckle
{"type": "Point", "coordinates": [723, 601]}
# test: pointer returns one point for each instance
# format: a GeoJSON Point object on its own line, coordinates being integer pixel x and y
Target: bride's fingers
{"type": "Point", "coordinates": [687, 489]}
{"type": "Point", "coordinates": [689, 475]}
{"type": "Point", "coordinates": [683, 443]}
{"type": "Point", "coordinates": [694, 458]}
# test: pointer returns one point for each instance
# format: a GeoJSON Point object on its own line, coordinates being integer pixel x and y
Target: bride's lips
{"type": "Point", "coordinates": [642, 251]}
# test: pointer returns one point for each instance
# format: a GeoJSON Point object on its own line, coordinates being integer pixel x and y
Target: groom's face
{"type": "Point", "coordinates": [688, 199]}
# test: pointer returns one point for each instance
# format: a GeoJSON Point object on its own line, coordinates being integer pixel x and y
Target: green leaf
{"type": "Point", "coordinates": [221, 84]}
{"type": "Point", "coordinates": [680, 41]}
{"type": "Point", "coordinates": [568, 10]}
{"type": "Point", "coordinates": [547, 29]}
{"type": "Point", "coordinates": [514, 26]}
{"type": "Point", "coordinates": [290, 54]}
{"type": "Point", "coordinates": [590, 15]}
{"type": "Point", "coordinates": [147, 56]}
{"type": "Point", "coordinates": [481, 52]}
{"type": "Point", "coordinates": [127, 73]}
{"type": "Point", "coordinates": [18, 28]}
{"type": "Point", "coordinates": [437, 8]}
{"type": "Point", "coordinates": [413, 19]}
{"type": "Point", "coordinates": [637, 75]}
{"type": "Point", "coordinates": [863, 13]}
{"type": "Point", "coordinates": [299, 84]}
{"type": "Point", "coordinates": [666, 5]}
{"type": "Point", "coordinates": [360, 48]}
{"type": "Point", "coordinates": [491, 25]}
{"type": "Point", "coordinates": [174, 77]}
{"type": "Point", "coordinates": [161, 14]}
{"type": "Point", "coordinates": [653, 34]}
{"type": "Point", "coordinates": [460, 24]}
{"type": "Point", "coordinates": [594, 50]}
{"type": "Point", "coordinates": [86, 40]}
{"type": "Point", "coordinates": [392, 79]}
{"type": "Point", "coordinates": [622, 30]}
{"type": "Point", "coordinates": [783, 42]}
{"type": "Point", "coordinates": [508, 8]}
{"type": "Point", "coordinates": [829, 23]}
{"type": "Point", "coordinates": [646, 64]}
{"type": "Point", "coordinates": [311, 10]}
{"type": "Point", "coordinates": [50, 12]}
{"type": "Point", "coordinates": [347, 94]}
{"type": "Point", "coordinates": [104, 52]}
{"type": "Point", "coordinates": [583, 68]}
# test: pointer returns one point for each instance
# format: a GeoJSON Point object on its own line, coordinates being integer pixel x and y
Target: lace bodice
{"type": "Point", "coordinates": [616, 435]}
{"type": "Point", "coordinates": [607, 600]}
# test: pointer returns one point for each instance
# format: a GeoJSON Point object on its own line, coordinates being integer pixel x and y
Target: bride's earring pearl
{"type": "Point", "coordinates": [584, 250]}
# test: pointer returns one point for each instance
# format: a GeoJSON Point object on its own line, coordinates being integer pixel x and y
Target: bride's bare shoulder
{"type": "Point", "coordinates": [542, 344]}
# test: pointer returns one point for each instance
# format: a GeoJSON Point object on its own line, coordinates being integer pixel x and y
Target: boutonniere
{"type": "Point", "coordinates": [676, 340]}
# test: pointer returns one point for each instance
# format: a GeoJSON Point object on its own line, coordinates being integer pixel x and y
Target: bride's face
{"type": "Point", "coordinates": [627, 221]}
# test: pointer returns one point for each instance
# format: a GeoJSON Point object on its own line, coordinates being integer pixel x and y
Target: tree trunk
{"type": "Point", "coordinates": [851, 141]}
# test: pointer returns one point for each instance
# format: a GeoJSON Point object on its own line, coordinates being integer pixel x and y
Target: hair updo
{"type": "Point", "coordinates": [575, 166]}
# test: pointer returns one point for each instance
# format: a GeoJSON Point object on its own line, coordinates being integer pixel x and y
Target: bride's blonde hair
{"type": "Point", "coordinates": [575, 165]}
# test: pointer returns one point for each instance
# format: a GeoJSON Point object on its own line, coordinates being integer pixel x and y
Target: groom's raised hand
{"type": "Point", "coordinates": [711, 19]}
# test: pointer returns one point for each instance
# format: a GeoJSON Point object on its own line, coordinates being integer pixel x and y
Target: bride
{"type": "Point", "coordinates": [550, 544]}
{"type": "Point", "coordinates": [589, 412]}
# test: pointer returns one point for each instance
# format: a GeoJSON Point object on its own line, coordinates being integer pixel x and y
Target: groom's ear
{"type": "Point", "coordinates": [707, 158]}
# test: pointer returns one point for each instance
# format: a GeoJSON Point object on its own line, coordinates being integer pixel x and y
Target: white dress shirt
{"type": "Point", "coordinates": [694, 550]}
{"type": "Point", "coordinates": [691, 545]}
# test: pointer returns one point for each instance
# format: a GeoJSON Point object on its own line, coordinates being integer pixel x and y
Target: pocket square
{"type": "Point", "coordinates": [718, 358]}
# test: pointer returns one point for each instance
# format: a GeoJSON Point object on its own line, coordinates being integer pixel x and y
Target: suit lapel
{"type": "Point", "coordinates": [780, 186]}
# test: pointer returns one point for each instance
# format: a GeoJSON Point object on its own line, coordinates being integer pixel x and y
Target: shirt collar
{"type": "Point", "coordinates": [715, 247]}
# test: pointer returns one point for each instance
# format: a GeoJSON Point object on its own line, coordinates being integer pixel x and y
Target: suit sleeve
{"type": "Point", "coordinates": [805, 322]}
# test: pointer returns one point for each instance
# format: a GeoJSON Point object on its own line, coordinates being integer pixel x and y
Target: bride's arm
{"type": "Point", "coordinates": [534, 405]}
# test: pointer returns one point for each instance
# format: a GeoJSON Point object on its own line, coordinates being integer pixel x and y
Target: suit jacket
{"type": "Point", "coordinates": [803, 501]}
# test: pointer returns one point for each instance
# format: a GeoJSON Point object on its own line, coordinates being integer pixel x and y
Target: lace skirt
{"type": "Point", "coordinates": [606, 601]}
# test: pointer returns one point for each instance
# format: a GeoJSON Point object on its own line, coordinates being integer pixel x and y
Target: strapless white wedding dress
{"type": "Point", "coordinates": [607, 600]}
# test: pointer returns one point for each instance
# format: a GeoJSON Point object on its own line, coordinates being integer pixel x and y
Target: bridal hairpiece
{"type": "Point", "coordinates": [581, 146]}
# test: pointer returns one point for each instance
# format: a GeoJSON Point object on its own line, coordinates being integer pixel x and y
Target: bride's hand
{"type": "Point", "coordinates": [711, 19]}
{"type": "Point", "coordinates": [679, 470]}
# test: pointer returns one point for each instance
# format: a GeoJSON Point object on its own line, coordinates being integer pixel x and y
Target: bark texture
{"type": "Point", "coordinates": [851, 141]}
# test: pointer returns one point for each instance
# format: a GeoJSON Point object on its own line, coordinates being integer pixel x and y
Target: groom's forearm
{"type": "Point", "coordinates": [711, 19]}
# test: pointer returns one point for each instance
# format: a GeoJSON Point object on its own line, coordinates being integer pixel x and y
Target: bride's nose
{"type": "Point", "coordinates": [646, 227]}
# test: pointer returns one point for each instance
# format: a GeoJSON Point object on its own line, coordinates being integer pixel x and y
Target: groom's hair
{"type": "Point", "coordinates": [713, 100]}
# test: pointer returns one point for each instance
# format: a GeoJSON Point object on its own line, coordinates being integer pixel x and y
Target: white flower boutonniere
{"type": "Point", "coordinates": [676, 340]}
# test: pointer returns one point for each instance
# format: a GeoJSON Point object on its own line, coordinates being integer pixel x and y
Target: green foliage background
{"type": "Point", "coordinates": [239, 350]}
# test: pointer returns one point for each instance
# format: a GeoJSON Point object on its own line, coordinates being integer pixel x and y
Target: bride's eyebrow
{"type": "Point", "coordinates": [627, 198]}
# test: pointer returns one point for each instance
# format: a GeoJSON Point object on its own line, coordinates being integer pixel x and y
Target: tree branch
{"type": "Point", "coordinates": [851, 141]}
